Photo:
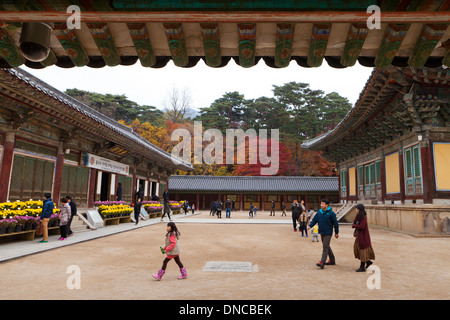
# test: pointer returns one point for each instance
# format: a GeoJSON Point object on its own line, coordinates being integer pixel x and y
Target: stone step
{"type": "Point", "coordinates": [78, 225]}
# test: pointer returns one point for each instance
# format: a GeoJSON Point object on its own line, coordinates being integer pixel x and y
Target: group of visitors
{"type": "Point", "coordinates": [67, 212]}
{"type": "Point", "coordinates": [216, 207]}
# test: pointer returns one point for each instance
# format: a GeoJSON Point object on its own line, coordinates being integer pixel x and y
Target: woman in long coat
{"type": "Point", "coordinates": [363, 247]}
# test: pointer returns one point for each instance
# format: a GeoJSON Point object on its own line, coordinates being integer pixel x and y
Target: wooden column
{"type": "Point", "coordinates": [383, 180]}
{"type": "Point", "coordinates": [402, 175]}
{"type": "Point", "coordinates": [261, 202]}
{"type": "Point", "coordinates": [197, 205]}
{"type": "Point", "coordinates": [133, 186]}
{"type": "Point", "coordinates": [91, 191]}
{"type": "Point", "coordinates": [7, 162]}
{"type": "Point", "coordinates": [57, 179]}
{"type": "Point", "coordinates": [241, 201]}
{"type": "Point", "coordinates": [427, 174]}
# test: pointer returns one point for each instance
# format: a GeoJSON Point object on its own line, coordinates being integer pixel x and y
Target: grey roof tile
{"type": "Point", "coordinates": [252, 183]}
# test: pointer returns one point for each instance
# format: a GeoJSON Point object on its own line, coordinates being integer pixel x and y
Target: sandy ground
{"type": "Point", "coordinates": [120, 266]}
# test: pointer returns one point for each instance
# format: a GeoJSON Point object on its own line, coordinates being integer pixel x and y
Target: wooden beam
{"type": "Point", "coordinates": [393, 37]}
{"type": "Point", "coordinates": [430, 36]}
{"type": "Point", "coordinates": [283, 45]}
{"type": "Point", "coordinates": [211, 44]}
{"type": "Point", "coordinates": [9, 51]}
{"type": "Point", "coordinates": [229, 16]}
{"type": "Point", "coordinates": [177, 44]}
{"type": "Point", "coordinates": [103, 39]}
{"type": "Point", "coordinates": [355, 39]}
{"type": "Point", "coordinates": [141, 40]}
{"type": "Point", "coordinates": [318, 44]}
{"type": "Point", "coordinates": [69, 41]}
{"type": "Point", "coordinates": [247, 44]}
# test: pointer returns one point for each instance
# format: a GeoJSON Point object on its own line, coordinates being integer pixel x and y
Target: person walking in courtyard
{"type": "Point", "coordinates": [212, 208]}
{"type": "Point", "coordinates": [137, 210]}
{"type": "Point", "coordinates": [166, 204]}
{"type": "Point", "coordinates": [64, 217]}
{"type": "Point", "coordinates": [219, 209]}
{"type": "Point", "coordinates": [47, 210]}
{"type": "Point", "coordinates": [272, 208]}
{"type": "Point", "coordinates": [283, 208]}
{"type": "Point", "coordinates": [362, 247]}
{"type": "Point", "coordinates": [295, 208]}
{"type": "Point", "coordinates": [193, 208]}
{"type": "Point", "coordinates": [326, 219]}
{"type": "Point", "coordinates": [250, 213]}
{"type": "Point", "coordinates": [172, 249]}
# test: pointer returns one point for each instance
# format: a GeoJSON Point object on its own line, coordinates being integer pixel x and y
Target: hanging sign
{"type": "Point", "coordinates": [97, 162]}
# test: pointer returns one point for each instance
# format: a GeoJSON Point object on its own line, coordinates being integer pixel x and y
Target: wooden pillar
{"type": "Point", "coordinates": [7, 162]}
{"type": "Point", "coordinates": [402, 175]}
{"type": "Point", "coordinates": [261, 201]}
{"type": "Point", "coordinates": [383, 180]}
{"type": "Point", "coordinates": [427, 174]}
{"type": "Point", "coordinates": [57, 179]}
{"type": "Point", "coordinates": [241, 201]}
{"type": "Point", "coordinates": [133, 186]}
{"type": "Point", "coordinates": [197, 205]}
{"type": "Point", "coordinates": [91, 191]}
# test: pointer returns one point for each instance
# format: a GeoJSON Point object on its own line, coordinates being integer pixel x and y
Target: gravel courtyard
{"type": "Point", "coordinates": [283, 264]}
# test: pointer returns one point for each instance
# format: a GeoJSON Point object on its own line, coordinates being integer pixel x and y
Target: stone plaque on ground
{"type": "Point", "coordinates": [230, 266]}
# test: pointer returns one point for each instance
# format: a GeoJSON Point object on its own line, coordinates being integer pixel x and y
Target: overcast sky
{"type": "Point", "coordinates": [148, 86]}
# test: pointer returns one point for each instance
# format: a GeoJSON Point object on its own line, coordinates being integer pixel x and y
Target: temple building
{"type": "Point", "coordinates": [256, 190]}
{"type": "Point", "coordinates": [393, 149]}
{"type": "Point", "coordinates": [50, 142]}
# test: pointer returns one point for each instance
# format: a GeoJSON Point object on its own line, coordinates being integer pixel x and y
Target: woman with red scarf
{"type": "Point", "coordinates": [363, 247]}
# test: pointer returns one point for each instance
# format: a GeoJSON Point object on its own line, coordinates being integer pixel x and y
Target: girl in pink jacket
{"type": "Point", "coordinates": [172, 249]}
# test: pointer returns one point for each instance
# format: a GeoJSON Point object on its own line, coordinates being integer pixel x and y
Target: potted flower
{"type": "Point", "coordinates": [3, 225]}
{"type": "Point", "coordinates": [11, 225]}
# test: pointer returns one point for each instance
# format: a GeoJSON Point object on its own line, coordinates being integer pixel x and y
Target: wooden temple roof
{"type": "Point", "coordinates": [394, 102]}
{"type": "Point", "coordinates": [23, 96]}
{"type": "Point", "coordinates": [122, 32]}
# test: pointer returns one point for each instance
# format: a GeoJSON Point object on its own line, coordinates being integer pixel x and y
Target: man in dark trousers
{"type": "Point", "coordinates": [296, 210]}
{"type": "Point", "coordinates": [119, 192]}
{"type": "Point", "coordinates": [166, 204]}
{"type": "Point", "coordinates": [73, 211]}
{"type": "Point", "coordinates": [326, 219]}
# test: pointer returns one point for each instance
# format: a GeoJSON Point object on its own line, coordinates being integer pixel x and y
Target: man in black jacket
{"type": "Point", "coordinates": [296, 211]}
{"type": "Point", "coordinates": [73, 211]}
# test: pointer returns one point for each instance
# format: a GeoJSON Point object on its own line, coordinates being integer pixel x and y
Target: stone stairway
{"type": "Point", "coordinates": [78, 225]}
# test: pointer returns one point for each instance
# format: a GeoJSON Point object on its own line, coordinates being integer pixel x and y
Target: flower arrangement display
{"type": "Point", "coordinates": [109, 203]}
{"type": "Point", "coordinates": [23, 214]}
{"type": "Point", "coordinates": [175, 205]}
{"type": "Point", "coordinates": [111, 211]}
{"type": "Point", "coordinates": [152, 206]}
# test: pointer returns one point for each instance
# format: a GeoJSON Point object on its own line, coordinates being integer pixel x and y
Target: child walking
{"type": "Point", "coordinates": [172, 249]}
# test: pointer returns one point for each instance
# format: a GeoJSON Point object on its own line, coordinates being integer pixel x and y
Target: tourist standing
{"type": "Point", "coordinates": [212, 208]}
{"type": "Point", "coordinates": [193, 208]}
{"type": "Point", "coordinates": [64, 217]}
{"type": "Point", "coordinates": [172, 249]}
{"type": "Point", "coordinates": [296, 210]}
{"type": "Point", "coordinates": [166, 204]}
{"type": "Point", "coordinates": [47, 210]}
{"type": "Point", "coordinates": [137, 210]}
{"type": "Point", "coordinates": [303, 221]}
{"type": "Point", "coordinates": [73, 212]}
{"type": "Point", "coordinates": [119, 192]}
{"type": "Point", "coordinates": [326, 219]}
{"type": "Point", "coordinates": [272, 208]}
{"type": "Point", "coordinates": [228, 208]}
{"type": "Point", "coordinates": [250, 213]}
{"type": "Point", "coordinates": [362, 247]}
